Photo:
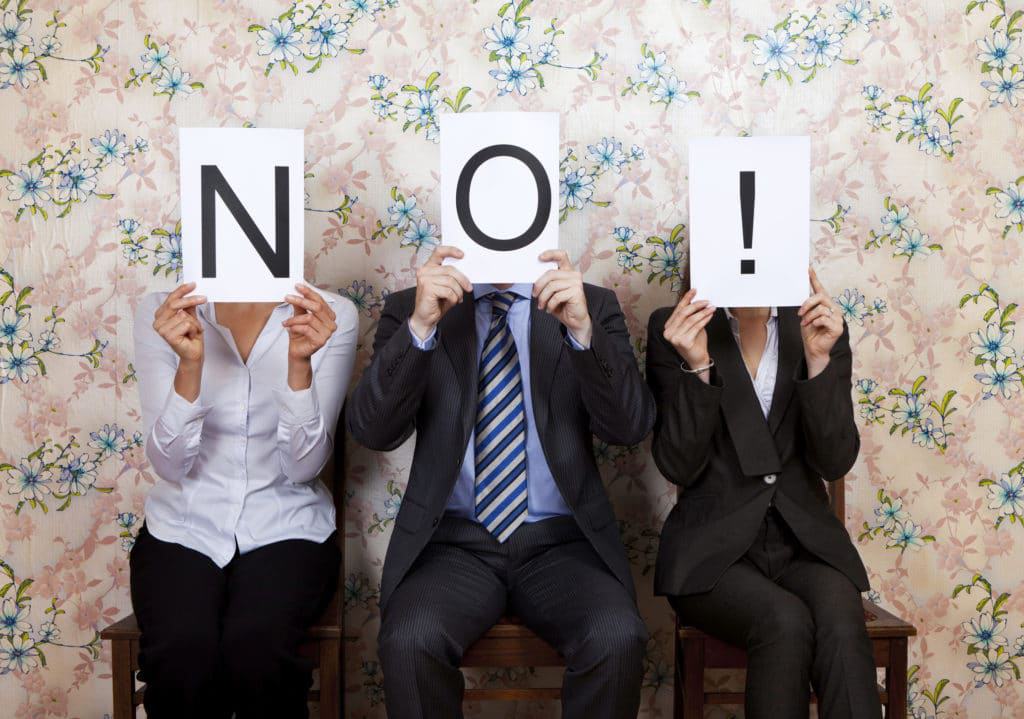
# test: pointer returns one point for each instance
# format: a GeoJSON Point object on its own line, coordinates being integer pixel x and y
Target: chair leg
{"type": "Point", "coordinates": [123, 678]}
{"type": "Point", "coordinates": [896, 680]}
{"type": "Point", "coordinates": [691, 668]}
{"type": "Point", "coordinates": [330, 679]}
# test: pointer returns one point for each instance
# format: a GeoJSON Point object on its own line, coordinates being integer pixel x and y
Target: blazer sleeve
{"type": "Point", "coordinates": [382, 410]}
{"type": "Point", "coordinates": [688, 409]}
{"type": "Point", "coordinates": [620, 406]}
{"type": "Point", "coordinates": [826, 405]}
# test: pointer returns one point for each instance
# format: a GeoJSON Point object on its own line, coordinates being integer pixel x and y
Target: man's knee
{"type": "Point", "coordinates": [613, 636]}
{"type": "Point", "coordinates": [413, 637]}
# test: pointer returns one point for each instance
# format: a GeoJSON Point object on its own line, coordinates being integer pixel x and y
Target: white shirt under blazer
{"type": "Point", "coordinates": [241, 463]}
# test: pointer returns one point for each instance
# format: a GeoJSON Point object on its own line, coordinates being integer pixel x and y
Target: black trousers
{"type": "Point", "coordinates": [802, 624]}
{"type": "Point", "coordinates": [216, 641]}
{"type": "Point", "coordinates": [547, 574]}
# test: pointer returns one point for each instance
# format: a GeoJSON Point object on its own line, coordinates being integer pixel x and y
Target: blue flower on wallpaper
{"type": "Point", "coordinates": [515, 75]}
{"type": "Point", "coordinates": [1000, 374]}
{"type": "Point", "coordinates": [855, 308]}
{"type": "Point", "coordinates": [1010, 205]}
{"type": "Point", "coordinates": [1001, 378]}
{"type": "Point", "coordinates": [776, 51]}
{"type": "Point", "coordinates": [1000, 53]}
{"type": "Point", "coordinates": [162, 71]}
{"type": "Point", "coordinates": [422, 103]}
{"type": "Point", "coordinates": [1006, 495]}
{"type": "Point", "coordinates": [992, 343]}
{"type": "Point", "coordinates": [892, 521]}
{"type": "Point", "coordinates": [917, 119]}
{"type": "Point", "coordinates": [23, 57]}
{"type": "Point", "coordinates": [627, 252]}
{"type": "Point", "coordinates": [507, 39]}
{"type": "Point", "coordinates": [607, 154]}
{"type": "Point", "coordinates": [162, 244]}
{"type": "Point", "coordinates": [310, 32]}
{"type": "Point", "coordinates": [53, 177]}
{"type": "Point", "coordinates": [811, 43]}
{"type": "Point", "coordinates": [575, 189]}
{"type": "Point", "coordinates": [78, 475]}
{"type": "Point", "coordinates": [577, 183]}
{"type": "Point", "coordinates": [520, 65]}
{"type": "Point", "coordinates": [420, 234]}
{"type": "Point", "coordinates": [659, 80]}
{"type": "Point", "coordinates": [363, 296]}
{"type": "Point", "coordinates": [900, 231]}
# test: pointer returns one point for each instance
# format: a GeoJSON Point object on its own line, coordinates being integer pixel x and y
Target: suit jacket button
{"type": "Point", "coordinates": [770, 478]}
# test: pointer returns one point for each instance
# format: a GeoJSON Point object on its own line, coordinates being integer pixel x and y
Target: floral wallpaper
{"type": "Point", "coordinates": [915, 110]}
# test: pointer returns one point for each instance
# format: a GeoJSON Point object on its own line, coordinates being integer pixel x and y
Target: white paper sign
{"type": "Point", "coordinates": [750, 220]}
{"type": "Point", "coordinates": [499, 192]}
{"type": "Point", "coordinates": [242, 229]}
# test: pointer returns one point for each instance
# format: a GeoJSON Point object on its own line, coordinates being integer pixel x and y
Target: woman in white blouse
{"type": "Point", "coordinates": [237, 556]}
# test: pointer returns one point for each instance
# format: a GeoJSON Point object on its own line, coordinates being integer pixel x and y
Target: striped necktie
{"type": "Point", "coordinates": [500, 447]}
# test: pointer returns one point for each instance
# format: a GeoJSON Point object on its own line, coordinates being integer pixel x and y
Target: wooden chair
{"type": "Point", "coordinates": [324, 643]}
{"type": "Point", "coordinates": [509, 643]}
{"type": "Point", "coordinates": [696, 651]}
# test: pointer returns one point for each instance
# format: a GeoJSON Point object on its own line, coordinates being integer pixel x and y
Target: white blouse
{"type": "Point", "coordinates": [768, 367]}
{"type": "Point", "coordinates": [240, 464]}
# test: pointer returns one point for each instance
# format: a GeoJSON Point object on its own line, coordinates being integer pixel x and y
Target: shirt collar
{"type": "Point", "coordinates": [522, 289]}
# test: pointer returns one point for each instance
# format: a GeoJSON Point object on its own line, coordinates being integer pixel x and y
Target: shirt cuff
{"type": "Point", "coordinates": [573, 342]}
{"type": "Point", "coordinates": [298, 407]}
{"type": "Point", "coordinates": [179, 413]}
{"type": "Point", "coordinates": [426, 345]}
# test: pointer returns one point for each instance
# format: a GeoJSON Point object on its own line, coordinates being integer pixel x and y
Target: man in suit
{"type": "Point", "coordinates": [504, 512]}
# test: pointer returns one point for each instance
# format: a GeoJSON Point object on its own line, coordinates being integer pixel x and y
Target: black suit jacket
{"type": "Point", "coordinates": [576, 394]}
{"type": "Point", "coordinates": [714, 442]}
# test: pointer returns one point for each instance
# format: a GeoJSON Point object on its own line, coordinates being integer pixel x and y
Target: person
{"type": "Point", "coordinates": [754, 411]}
{"type": "Point", "coordinates": [504, 512]}
{"type": "Point", "coordinates": [238, 553]}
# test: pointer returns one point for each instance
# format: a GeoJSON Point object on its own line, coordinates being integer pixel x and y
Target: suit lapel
{"type": "Point", "coordinates": [790, 351]}
{"type": "Point", "coordinates": [754, 444]}
{"type": "Point", "coordinates": [458, 337]}
{"type": "Point", "coordinates": [546, 346]}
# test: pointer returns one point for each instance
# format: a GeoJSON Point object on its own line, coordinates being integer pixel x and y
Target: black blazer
{"type": "Point", "coordinates": [576, 394]}
{"type": "Point", "coordinates": [713, 441]}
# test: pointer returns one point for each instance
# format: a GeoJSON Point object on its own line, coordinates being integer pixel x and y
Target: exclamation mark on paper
{"type": "Point", "coordinates": [747, 210]}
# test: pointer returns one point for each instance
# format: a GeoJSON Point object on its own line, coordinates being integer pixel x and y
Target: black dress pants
{"type": "Point", "coordinates": [801, 622]}
{"type": "Point", "coordinates": [216, 641]}
{"type": "Point", "coordinates": [548, 575]}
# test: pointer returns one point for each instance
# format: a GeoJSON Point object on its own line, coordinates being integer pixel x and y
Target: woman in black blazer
{"type": "Point", "coordinates": [754, 411]}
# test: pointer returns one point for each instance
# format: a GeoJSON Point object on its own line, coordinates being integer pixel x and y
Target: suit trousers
{"type": "Point", "coordinates": [801, 622]}
{"type": "Point", "coordinates": [548, 575]}
{"type": "Point", "coordinates": [216, 641]}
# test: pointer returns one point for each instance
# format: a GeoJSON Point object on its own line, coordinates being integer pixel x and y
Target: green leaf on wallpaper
{"type": "Point", "coordinates": [255, 28]}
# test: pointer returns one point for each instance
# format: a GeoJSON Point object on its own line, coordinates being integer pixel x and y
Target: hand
{"type": "Point", "coordinates": [439, 287]}
{"type": "Point", "coordinates": [309, 328]}
{"type": "Point", "coordinates": [175, 320]}
{"type": "Point", "coordinates": [685, 330]}
{"type": "Point", "coordinates": [821, 325]}
{"type": "Point", "coordinates": [559, 292]}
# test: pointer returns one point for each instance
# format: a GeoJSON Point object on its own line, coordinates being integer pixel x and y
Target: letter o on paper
{"type": "Point", "coordinates": [540, 220]}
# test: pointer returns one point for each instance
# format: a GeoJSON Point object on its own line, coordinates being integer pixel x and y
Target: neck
{"type": "Point", "coordinates": [241, 308]}
{"type": "Point", "coordinates": [751, 314]}
{"type": "Point", "coordinates": [502, 287]}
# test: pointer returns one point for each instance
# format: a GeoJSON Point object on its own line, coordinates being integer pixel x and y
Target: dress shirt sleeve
{"type": "Point", "coordinates": [308, 418]}
{"type": "Point", "coordinates": [575, 343]}
{"type": "Point", "coordinates": [173, 425]}
{"type": "Point", "coordinates": [426, 345]}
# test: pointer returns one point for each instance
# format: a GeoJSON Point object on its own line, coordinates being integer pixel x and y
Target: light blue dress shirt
{"type": "Point", "coordinates": [543, 498]}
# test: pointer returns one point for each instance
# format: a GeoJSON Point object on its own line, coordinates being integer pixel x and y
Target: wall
{"type": "Point", "coordinates": [916, 155]}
